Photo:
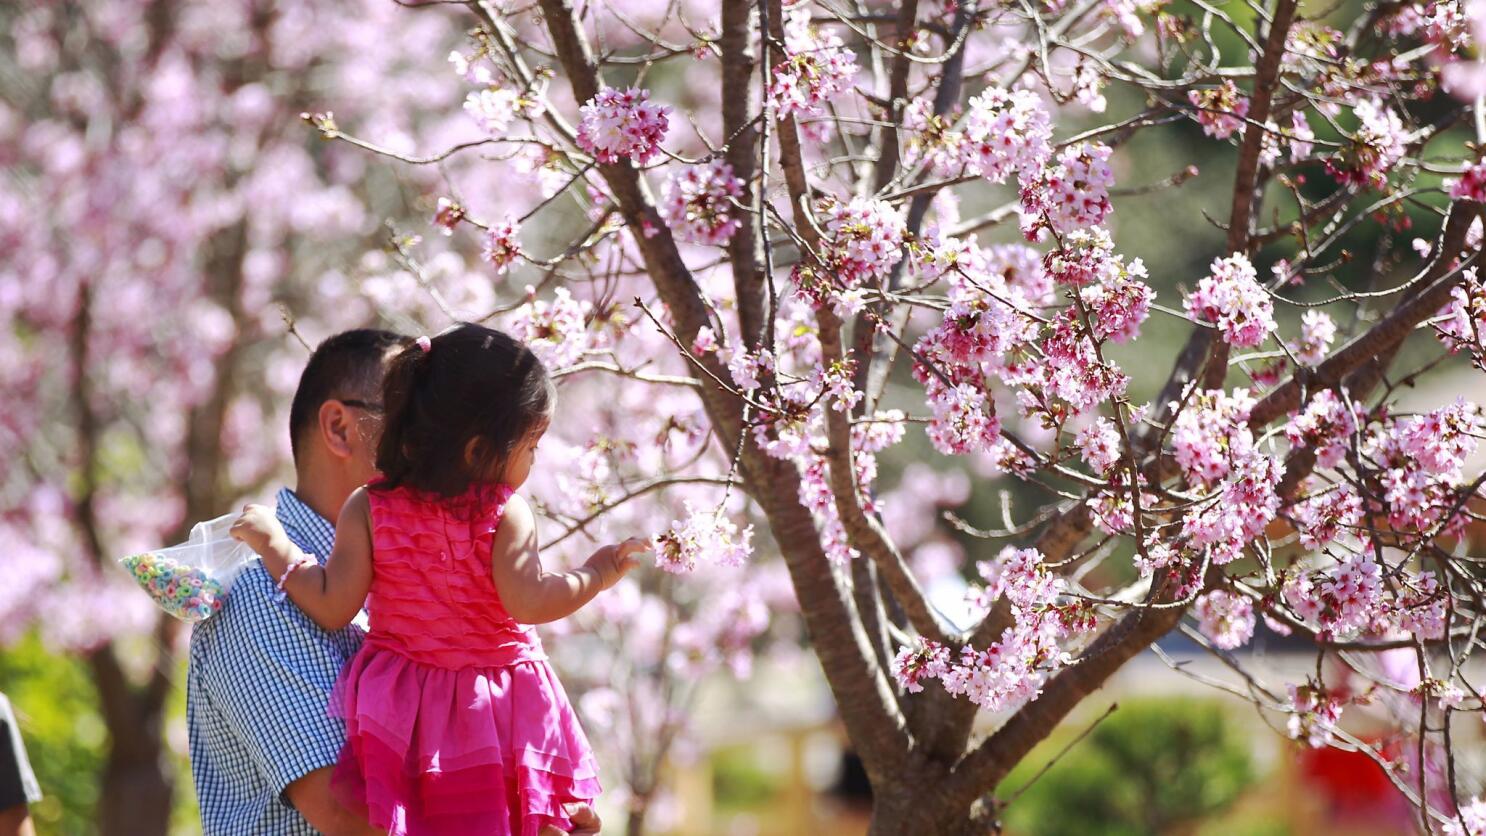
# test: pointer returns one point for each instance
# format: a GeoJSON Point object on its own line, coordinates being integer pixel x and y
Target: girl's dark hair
{"type": "Point", "coordinates": [472, 383]}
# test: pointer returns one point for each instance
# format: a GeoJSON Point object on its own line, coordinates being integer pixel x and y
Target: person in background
{"type": "Point", "coordinates": [18, 787]}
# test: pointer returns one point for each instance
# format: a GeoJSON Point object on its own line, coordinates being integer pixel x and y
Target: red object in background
{"type": "Point", "coordinates": [1352, 784]}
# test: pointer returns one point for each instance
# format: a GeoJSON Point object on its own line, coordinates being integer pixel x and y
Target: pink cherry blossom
{"type": "Point", "coordinates": [1341, 600]}
{"type": "Point", "coordinates": [1073, 191]}
{"type": "Point", "coordinates": [866, 239]}
{"type": "Point", "coordinates": [1222, 109]}
{"type": "Point", "coordinates": [492, 109]}
{"type": "Point", "coordinates": [1237, 511]}
{"type": "Point", "coordinates": [1317, 332]}
{"type": "Point", "coordinates": [697, 203]}
{"type": "Point", "coordinates": [1006, 134]}
{"type": "Point", "coordinates": [1472, 183]}
{"type": "Point", "coordinates": [924, 659]}
{"type": "Point", "coordinates": [448, 216]}
{"type": "Point", "coordinates": [748, 369]}
{"type": "Point", "coordinates": [1301, 137]}
{"type": "Point", "coordinates": [1462, 322]}
{"type": "Point", "coordinates": [816, 68]}
{"type": "Point", "coordinates": [503, 245]}
{"type": "Point", "coordinates": [555, 330]}
{"type": "Point", "coordinates": [1322, 517]}
{"type": "Point", "coordinates": [1470, 820]}
{"type": "Point", "coordinates": [1119, 306]}
{"type": "Point", "coordinates": [1377, 145]}
{"type": "Point", "coordinates": [1099, 444]}
{"type": "Point", "coordinates": [1314, 715]}
{"type": "Point", "coordinates": [1226, 618]}
{"type": "Point", "coordinates": [1326, 423]}
{"type": "Point", "coordinates": [964, 420]}
{"type": "Point", "coordinates": [705, 534]}
{"type": "Point", "coordinates": [1211, 433]}
{"type": "Point", "coordinates": [1232, 299]}
{"type": "Point", "coordinates": [623, 123]}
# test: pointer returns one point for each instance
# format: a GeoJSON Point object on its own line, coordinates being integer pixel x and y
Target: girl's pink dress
{"type": "Point", "coordinates": [455, 722]}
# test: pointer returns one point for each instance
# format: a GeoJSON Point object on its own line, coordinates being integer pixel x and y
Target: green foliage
{"type": "Point", "coordinates": [1152, 765]}
{"type": "Point", "coordinates": [65, 736]}
{"type": "Point", "coordinates": [739, 782]}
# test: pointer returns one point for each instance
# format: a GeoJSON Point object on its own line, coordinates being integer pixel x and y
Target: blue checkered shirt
{"type": "Point", "coordinates": [257, 694]}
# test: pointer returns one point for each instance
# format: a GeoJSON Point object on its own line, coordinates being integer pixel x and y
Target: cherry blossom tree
{"type": "Point", "coordinates": [771, 254]}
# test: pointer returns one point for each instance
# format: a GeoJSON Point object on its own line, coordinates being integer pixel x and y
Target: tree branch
{"type": "Point", "coordinates": [1389, 332]}
{"type": "Point", "coordinates": [863, 532]}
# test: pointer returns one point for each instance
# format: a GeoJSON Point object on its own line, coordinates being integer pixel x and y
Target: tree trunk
{"type": "Point", "coordinates": [913, 809]}
{"type": "Point", "coordinates": [138, 780]}
{"type": "Point", "coordinates": [138, 785]}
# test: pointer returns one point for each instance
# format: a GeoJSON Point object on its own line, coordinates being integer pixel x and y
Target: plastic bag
{"type": "Point", "coordinates": [190, 581]}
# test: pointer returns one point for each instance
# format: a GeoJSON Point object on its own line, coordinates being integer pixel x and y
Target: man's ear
{"type": "Point", "coordinates": [335, 428]}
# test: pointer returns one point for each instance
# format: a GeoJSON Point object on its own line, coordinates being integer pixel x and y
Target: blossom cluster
{"type": "Point", "coordinates": [1120, 305]}
{"type": "Point", "coordinates": [1327, 423]}
{"type": "Point", "coordinates": [623, 123]}
{"type": "Point", "coordinates": [1317, 331]}
{"type": "Point", "coordinates": [1099, 444]}
{"type": "Point", "coordinates": [1324, 516]}
{"type": "Point", "coordinates": [702, 534]}
{"type": "Point", "coordinates": [1211, 433]}
{"type": "Point", "coordinates": [556, 330]}
{"type": "Point", "coordinates": [1012, 669]}
{"type": "Point", "coordinates": [1226, 618]}
{"type": "Point", "coordinates": [1471, 185]}
{"type": "Point", "coordinates": [817, 67]}
{"type": "Point", "coordinates": [1470, 820]}
{"type": "Point", "coordinates": [697, 203]}
{"type": "Point", "coordinates": [1237, 511]}
{"type": "Point", "coordinates": [1232, 299]}
{"type": "Point", "coordinates": [494, 108]}
{"type": "Point", "coordinates": [1343, 600]}
{"type": "Point", "coordinates": [1313, 715]}
{"type": "Point", "coordinates": [1072, 192]}
{"type": "Point", "coordinates": [866, 239]}
{"type": "Point", "coordinates": [1421, 459]}
{"type": "Point", "coordinates": [1377, 145]}
{"type": "Point", "coordinates": [1221, 109]}
{"type": "Point", "coordinates": [1462, 323]}
{"type": "Point", "coordinates": [1006, 133]}
{"type": "Point", "coordinates": [502, 245]}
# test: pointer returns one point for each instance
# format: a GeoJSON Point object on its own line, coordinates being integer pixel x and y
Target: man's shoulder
{"type": "Point", "coordinates": [255, 622]}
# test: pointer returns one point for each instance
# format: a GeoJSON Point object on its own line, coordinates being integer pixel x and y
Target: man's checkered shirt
{"type": "Point", "coordinates": [257, 694]}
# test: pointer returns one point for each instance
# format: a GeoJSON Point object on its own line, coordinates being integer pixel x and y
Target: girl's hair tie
{"type": "Point", "coordinates": [424, 343]}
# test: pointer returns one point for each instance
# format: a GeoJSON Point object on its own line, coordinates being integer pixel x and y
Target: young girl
{"type": "Point", "coordinates": [455, 722]}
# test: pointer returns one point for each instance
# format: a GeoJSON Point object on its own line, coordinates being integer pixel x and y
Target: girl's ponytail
{"type": "Point", "coordinates": [402, 444]}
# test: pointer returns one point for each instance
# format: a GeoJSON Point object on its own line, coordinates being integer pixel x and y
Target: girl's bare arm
{"type": "Point", "coordinates": [533, 595]}
{"type": "Point", "coordinates": [330, 595]}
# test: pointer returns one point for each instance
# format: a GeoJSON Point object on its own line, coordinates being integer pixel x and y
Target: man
{"type": "Point", "coordinates": [18, 788]}
{"type": "Point", "coordinates": [263, 745]}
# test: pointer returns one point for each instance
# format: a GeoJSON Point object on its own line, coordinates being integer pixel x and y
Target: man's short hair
{"type": "Point", "coordinates": [348, 365]}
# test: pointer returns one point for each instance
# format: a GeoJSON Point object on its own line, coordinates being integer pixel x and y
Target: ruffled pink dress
{"type": "Point", "coordinates": [455, 722]}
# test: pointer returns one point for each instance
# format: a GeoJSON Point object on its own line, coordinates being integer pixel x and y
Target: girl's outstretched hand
{"type": "Point", "coordinates": [260, 528]}
{"type": "Point", "coordinates": [615, 561]}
